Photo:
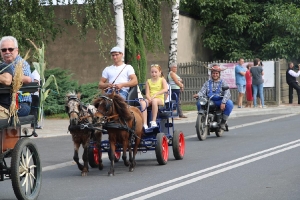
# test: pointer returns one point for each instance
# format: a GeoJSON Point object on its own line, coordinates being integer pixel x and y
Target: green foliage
{"type": "Point", "coordinates": [55, 103]}
{"type": "Point", "coordinates": [88, 92]}
{"type": "Point", "coordinates": [243, 28]}
{"type": "Point", "coordinates": [27, 19]}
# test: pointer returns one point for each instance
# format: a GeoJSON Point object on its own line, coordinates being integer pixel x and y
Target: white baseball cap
{"type": "Point", "coordinates": [116, 49]}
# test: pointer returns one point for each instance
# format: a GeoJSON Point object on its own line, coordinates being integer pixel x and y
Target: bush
{"type": "Point", "coordinates": [88, 92]}
{"type": "Point", "coordinates": [55, 103]}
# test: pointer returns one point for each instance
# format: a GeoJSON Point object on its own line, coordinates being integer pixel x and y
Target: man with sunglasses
{"type": "Point", "coordinates": [10, 54]}
{"type": "Point", "coordinates": [119, 76]}
{"type": "Point", "coordinates": [214, 87]}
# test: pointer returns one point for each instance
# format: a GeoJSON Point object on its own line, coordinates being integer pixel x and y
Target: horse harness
{"type": "Point", "coordinates": [116, 124]}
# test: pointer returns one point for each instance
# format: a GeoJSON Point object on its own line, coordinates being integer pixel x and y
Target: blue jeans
{"type": "Point", "coordinates": [24, 109]}
{"type": "Point", "coordinates": [260, 90]}
{"type": "Point", "coordinates": [122, 93]}
{"type": "Point", "coordinates": [228, 106]}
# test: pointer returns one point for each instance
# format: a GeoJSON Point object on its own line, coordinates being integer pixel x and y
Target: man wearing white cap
{"type": "Point", "coordinates": [119, 75]}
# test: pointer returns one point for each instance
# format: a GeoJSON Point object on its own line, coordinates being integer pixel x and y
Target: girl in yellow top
{"type": "Point", "coordinates": [156, 86]}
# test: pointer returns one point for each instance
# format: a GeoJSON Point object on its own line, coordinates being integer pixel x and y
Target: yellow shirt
{"type": "Point", "coordinates": [155, 88]}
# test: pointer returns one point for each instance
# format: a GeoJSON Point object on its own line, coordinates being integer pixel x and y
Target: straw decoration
{"type": "Point", "coordinates": [16, 85]}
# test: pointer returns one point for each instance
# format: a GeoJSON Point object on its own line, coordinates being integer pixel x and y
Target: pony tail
{"type": "Point", "coordinates": [162, 75]}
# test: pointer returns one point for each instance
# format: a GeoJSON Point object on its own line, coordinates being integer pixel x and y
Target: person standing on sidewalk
{"type": "Point", "coordinates": [249, 94]}
{"type": "Point", "coordinates": [240, 81]}
{"type": "Point", "coordinates": [176, 87]}
{"type": "Point", "coordinates": [291, 76]}
{"type": "Point", "coordinates": [257, 82]}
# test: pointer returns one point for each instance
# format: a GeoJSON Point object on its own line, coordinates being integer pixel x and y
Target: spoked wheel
{"type": "Point", "coordinates": [178, 145]}
{"type": "Point", "coordinates": [201, 128]}
{"type": "Point", "coordinates": [162, 149]}
{"type": "Point", "coordinates": [93, 157]}
{"type": "Point", "coordinates": [26, 170]}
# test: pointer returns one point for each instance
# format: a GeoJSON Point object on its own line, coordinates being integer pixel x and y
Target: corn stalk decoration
{"type": "Point", "coordinates": [16, 85]}
{"type": "Point", "coordinates": [40, 66]}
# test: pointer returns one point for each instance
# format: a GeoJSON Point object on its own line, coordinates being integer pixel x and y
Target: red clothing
{"type": "Point", "coordinates": [249, 95]}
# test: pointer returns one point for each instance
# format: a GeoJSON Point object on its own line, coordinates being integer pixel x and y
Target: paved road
{"type": "Point", "coordinates": [255, 160]}
{"type": "Point", "coordinates": [59, 127]}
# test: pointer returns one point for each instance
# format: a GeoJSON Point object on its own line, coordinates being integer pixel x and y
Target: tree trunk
{"type": "Point", "coordinates": [174, 32]}
{"type": "Point", "coordinates": [120, 28]}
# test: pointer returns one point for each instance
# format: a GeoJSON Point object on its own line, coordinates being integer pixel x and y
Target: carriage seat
{"type": "Point", "coordinates": [23, 120]}
{"type": "Point", "coordinates": [31, 88]}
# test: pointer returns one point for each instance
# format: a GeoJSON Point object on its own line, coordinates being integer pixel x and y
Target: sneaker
{"type": "Point", "coordinates": [153, 124]}
{"type": "Point", "coordinates": [239, 106]}
{"type": "Point", "coordinates": [264, 106]}
{"type": "Point", "coordinates": [145, 126]}
{"type": "Point", "coordinates": [183, 116]}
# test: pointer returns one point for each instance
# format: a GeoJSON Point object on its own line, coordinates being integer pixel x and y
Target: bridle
{"type": "Point", "coordinates": [108, 107]}
{"type": "Point", "coordinates": [74, 98]}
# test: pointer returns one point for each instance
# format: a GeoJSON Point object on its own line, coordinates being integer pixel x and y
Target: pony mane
{"type": "Point", "coordinates": [121, 106]}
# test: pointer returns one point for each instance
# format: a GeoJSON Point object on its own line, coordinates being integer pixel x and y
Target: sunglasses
{"type": "Point", "coordinates": [9, 49]}
{"type": "Point", "coordinates": [155, 65]}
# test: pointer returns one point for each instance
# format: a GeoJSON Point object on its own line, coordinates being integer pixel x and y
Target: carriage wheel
{"type": "Point", "coordinates": [117, 155]}
{"type": "Point", "coordinates": [26, 170]}
{"type": "Point", "coordinates": [162, 149]}
{"type": "Point", "coordinates": [178, 145]}
{"type": "Point", "coordinates": [93, 157]}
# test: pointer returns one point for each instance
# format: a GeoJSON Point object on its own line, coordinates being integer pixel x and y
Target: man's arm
{"type": "Point", "coordinates": [227, 94]}
{"type": "Point", "coordinates": [294, 74]}
{"type": "Point", "coordinates": [103, 84]}
{"type": "Point", "coordinates": [5, 78]}
{"type": "Point", "coordinates": [131, 83]}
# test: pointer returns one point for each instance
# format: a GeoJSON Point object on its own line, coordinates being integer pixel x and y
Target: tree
{"type": "Point", "coordinates": [27, 19]}
{"type": "Point", "coordinates": [243, 28]}
{"type": "Point", "coordinates": [142, 19]}
{"type": "Point", "coordinates": [174, 32]}
{"type": "Point", "coordinates": [120, 28]}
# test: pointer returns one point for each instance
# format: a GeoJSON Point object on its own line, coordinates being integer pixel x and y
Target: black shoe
{"type": "Point", "coordinates": [38, 127]}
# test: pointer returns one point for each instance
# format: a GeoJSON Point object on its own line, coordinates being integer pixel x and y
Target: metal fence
{"type": "Point", "coordinates": [195, 74]}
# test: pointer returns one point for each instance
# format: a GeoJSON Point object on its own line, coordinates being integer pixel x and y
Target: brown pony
{"type": "Point", "coordinates": [124, 125]}
{"type": "Point", "coordinates": [80, 115]}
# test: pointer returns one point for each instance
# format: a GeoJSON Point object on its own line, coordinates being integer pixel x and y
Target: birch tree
{"type": "Point", "coordinates": [120, 27]}
{"type": "Point", "coordinates": [174, 32]}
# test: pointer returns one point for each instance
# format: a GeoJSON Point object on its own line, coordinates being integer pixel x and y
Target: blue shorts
{"type": "Point", "coordinates": [122, 93]}
{"type": "Point", "coordinates": [241, 88]}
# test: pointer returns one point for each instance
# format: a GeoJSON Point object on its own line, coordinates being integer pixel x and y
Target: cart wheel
{"type": "Point", "coordinates": [26, 170]}
{"type": "Point", "coordinates": [162, 149]}
{"type": "Point", "coordinates": [178, 145]}
{"type": "Point", "coordinates": [93, 157]}
{"type": "Point", "coordinates": [117, 155]}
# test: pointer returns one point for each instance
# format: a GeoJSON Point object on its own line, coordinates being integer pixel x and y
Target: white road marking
{"type": "Point", "coordinates": [250, 124]}
{"type": "Point", "coordinates": [214, 173]}
{"type": "Point", "coordinates": [65, 164]}
{"type": "Point", "coordinates": [210, 173]}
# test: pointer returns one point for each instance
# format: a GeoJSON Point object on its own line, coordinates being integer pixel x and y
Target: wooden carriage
{"type": "Point", "coordinates": [15, 147]}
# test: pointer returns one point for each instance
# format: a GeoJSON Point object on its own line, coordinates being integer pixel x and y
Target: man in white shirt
{"type": "Point", "coordinates": [291, 76]}
{"type": "Point", "coordinates": [119, 75]}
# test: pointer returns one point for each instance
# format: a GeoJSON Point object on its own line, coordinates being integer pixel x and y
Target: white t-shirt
{"type": "Point", "coordinates": [36, 77]}
{"type": "Point", "coordinates": [111, 72]}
